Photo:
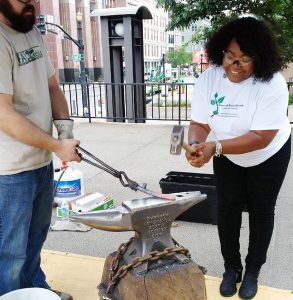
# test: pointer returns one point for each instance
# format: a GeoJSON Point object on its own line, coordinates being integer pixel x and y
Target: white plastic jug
{"type": "Point", "coordinates": [30, 294]}
{"type": "Point", "coordinates": [70, 186]}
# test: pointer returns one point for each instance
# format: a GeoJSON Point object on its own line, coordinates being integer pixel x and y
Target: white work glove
{"type": "Point", "coordinates": [64, 128]}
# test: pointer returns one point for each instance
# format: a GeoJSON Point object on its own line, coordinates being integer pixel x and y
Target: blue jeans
{"type": "Point", "coordinates": [25, 215]}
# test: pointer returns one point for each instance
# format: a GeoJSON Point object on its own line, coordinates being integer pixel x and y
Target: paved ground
{"type": "Point", "coordinates": [86, 272]}
{"type": "Point", "coordinates": [142, 151]}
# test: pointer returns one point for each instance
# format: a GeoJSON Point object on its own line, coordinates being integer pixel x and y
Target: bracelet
{"type": "Point", "coordinates": [194, 143]}
{"type": "Point", "coordinates": [219, 149]}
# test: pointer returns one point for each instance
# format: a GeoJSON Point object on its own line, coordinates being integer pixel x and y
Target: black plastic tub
{"type": "Point", "coordinates": [203, 212]}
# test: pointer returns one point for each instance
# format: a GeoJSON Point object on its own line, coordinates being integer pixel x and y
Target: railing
{"type": "Point", "coordinates": [163, 101]}
{"type": "Point", "coordinates": [290, 87]}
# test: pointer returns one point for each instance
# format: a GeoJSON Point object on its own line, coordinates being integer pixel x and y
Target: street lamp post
{"type": "Point", "coordinates": [41, 24]}
{"type": "Point", "coordinates": [82, 76]}
{"type": "Point", "coordinates": [201, 56]}
{"type": "Point", "coordinates": [164, 87]}
{"type": "Point", "coordinates": [163, 61]}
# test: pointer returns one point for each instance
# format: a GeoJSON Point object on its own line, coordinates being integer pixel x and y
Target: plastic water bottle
{"type": "Point", "coordinates": [64, 209]}
{"type": "Point", "coordinates": [70, 186]}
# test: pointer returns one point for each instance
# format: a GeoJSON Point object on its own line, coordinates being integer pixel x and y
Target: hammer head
{"type": "Point", "coordinates": [176, 141]}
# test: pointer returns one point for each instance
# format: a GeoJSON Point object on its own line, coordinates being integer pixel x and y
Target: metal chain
{"type": "Point", "coordinates": [202, 268]}
{"type": "Point", "coordinates": [178, 245]}
{"type": "Point", "coordinates": [116, 274]}
{"type": "Point", "coordinates": [120, 252]}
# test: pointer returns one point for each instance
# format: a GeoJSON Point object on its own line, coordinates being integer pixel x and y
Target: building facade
{"type": "Point", "coordinates": [157, 41]}
{"type": "Point", "coordinates": [64, 53]}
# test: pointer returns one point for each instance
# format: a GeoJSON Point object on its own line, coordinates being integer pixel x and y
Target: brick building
{"type": "Point", "coordinates": [61, 51]}
{"type": "Point", "coordinates": [64, 12]}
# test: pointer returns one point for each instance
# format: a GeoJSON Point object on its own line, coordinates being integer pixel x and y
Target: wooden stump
{"type": "Point", "coordinates": [170, 282]}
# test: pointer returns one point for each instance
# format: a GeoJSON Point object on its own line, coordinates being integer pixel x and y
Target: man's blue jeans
{"type": "Point", "coordinates": [25, 213]}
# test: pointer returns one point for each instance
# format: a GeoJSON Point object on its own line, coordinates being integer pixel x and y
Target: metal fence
{"type": "Point", "coordinates": [163, 101]}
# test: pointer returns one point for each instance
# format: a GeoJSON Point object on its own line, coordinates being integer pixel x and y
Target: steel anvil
{"type": "Point", "coordinates": [151, 219]}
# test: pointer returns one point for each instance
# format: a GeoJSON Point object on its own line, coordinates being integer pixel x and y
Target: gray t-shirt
{"type": "Point", "coordinates": [24, 73]}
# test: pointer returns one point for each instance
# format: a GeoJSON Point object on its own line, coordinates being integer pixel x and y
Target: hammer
{"type": "Point", "coordinates": [177, 142]}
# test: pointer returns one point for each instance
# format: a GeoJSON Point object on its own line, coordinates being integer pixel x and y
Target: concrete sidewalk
{"type": "Point", "coordinates": [142, 151]}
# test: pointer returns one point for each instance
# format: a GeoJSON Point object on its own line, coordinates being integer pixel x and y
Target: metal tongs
{"type": "Point", "coordinates": [124, 179]}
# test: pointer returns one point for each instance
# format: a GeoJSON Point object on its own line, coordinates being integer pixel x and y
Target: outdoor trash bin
{"type": "Point", "coordinates": [203, 212]}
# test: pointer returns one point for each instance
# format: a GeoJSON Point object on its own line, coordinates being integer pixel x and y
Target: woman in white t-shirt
{"type": "Point", "coordinates": [242, 99]}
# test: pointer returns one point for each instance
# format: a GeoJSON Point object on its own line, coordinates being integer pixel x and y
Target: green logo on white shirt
{"type": "Point", "coordinates": [29, 55]}
{"type": "Point", "coordinates": [216, 102]}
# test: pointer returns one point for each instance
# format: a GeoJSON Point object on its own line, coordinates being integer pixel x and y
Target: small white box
{"type": "Point", "coordinates": [91, 202]}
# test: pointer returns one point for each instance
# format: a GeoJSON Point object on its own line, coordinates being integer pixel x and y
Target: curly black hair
{"type": "Point", "coordinates": [254, 39]}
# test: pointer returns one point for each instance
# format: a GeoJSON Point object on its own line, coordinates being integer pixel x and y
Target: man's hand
{"type": "Point", "coordinates": [66, 150]}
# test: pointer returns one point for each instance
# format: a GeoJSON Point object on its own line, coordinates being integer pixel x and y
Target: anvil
{"type": "Point", "coordinates": [151, 219]}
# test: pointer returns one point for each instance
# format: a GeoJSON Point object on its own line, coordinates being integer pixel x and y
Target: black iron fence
{"type": "Point", "coordinates": [163, 101]}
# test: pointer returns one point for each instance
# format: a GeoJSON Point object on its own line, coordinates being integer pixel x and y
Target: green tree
{"type": "Point", "coordinates": [278, 14]}
{"type": "Point", "coordinates": [179, 57]}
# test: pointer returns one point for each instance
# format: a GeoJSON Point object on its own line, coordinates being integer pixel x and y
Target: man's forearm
{"type": "Point", "coordinates": [23, 130]}
{"type": "Point", "coordinates": [58, 100]}
{"type": "Point", "coordinates": [59, 105]}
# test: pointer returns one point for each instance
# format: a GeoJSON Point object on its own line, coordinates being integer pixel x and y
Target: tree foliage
{"type": "Point", "coordinates": [278, 14]}
{"type": "Point", "coordinates": [178, 57]}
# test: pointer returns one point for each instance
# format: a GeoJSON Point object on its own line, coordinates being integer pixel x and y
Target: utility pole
{"type": "Point", "coordinates": [164, 88]}
{"type": "Point", "coordinates": [163, 61]}
{"type": "Point", "coordinates": [41, 24]}
{"type": "Point", "coordinates": [82, 76]}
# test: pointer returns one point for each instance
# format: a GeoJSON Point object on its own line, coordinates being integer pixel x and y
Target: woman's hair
{"type": "Point", "coordinates": [254, 39]}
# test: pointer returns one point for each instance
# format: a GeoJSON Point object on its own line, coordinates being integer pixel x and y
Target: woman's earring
{"type": "Point", "coordinates": [224, 75]}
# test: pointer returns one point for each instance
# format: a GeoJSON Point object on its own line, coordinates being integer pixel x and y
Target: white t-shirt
{"type": "Point", "coordinates": [233, 109]}
{"type": "Point", "coordinates": [24, 72]}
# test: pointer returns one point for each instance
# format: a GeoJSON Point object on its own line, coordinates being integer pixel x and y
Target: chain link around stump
{"type": "Point", "coordinates": [116, 274]}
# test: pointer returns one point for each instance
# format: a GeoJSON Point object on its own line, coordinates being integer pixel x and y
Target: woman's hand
{"type": "Point", "coordinates": [203, 153]}
{"type": "Point", "coordinates": [197, 132]}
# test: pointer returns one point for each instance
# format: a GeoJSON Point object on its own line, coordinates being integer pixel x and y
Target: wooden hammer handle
{"type": "Point", "coordinates": [188, 148]}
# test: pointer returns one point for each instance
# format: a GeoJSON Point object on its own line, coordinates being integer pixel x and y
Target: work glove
{"type": "Point", "coordinates": [64, 128]}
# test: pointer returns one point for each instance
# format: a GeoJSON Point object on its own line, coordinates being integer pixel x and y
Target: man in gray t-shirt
{"type": "Point", "coordinates": [30, 98]}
